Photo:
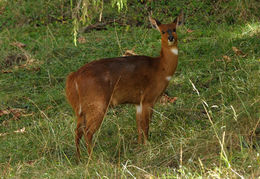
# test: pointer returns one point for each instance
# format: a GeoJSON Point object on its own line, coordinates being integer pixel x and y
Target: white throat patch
{"type": "Point", "coordinates": [168, 78]}
{"type": "Point", "coordinates": [174, 51]}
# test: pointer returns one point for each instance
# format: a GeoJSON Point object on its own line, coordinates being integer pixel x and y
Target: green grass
{"type": "Point", "coordinates": [183, 135]}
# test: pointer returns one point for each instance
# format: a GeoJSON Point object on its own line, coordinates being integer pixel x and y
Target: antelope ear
{"type": "Point", "coordinates": [179, 20]}
{"type": "Point", "coordinates": [155, 23]}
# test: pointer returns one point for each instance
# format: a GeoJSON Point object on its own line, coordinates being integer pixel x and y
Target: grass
{"type": "Point", "coordinates": [212, 130]}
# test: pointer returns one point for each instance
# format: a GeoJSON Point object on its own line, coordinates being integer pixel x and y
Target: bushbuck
{"type": "Point", "coordinates": [138, 80]}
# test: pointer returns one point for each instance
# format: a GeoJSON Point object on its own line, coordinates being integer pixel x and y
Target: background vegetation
{"type": "Point", "coordinates": [211, 130]}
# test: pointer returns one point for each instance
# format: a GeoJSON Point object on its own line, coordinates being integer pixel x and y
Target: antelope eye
{"type": "Point", "coordinates": [163, 32]}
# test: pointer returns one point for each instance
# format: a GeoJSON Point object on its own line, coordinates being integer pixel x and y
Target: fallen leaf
{"type": "Point", "coordinates": [172, 100]}
{"type": "Point", "coordinates": [14, 59]}
{"type": "Point", "coordinates": [4, 112]}
{"type": "Point", "coordinates": [30, 61]}
{"type": "Point", "coordinates": [6, 71]}
{"type": "Point", "coordinates": [129, 53]}
{"type": "Point", "coordinates": [82, 40]}
{"type": "Point", "coordinates": [190, 31]}
{"type": "Point", "coordinates": [167, 99]}
{"type": "Point", "coordinates": [219, 60]}
{"type": "Point", "coordinates": [148, 176]}
{"type": "Point", "coordinates": [2, 10]}
{"type": "Point", "coordinates": [31, 162]}
{"type": "Point", "coordinates": [3, 134]}
{"type": "Point", "coordinates": [16, 115]}
{"type": "Point", "coordinates": [18, 44]}
{"type": "Point", "coordinates": [5, 123]}
{"type": "Point", "coordinates": [16, 112]}
{"type": "Point", "coordinates": [227, 58]}
{"type": "Point", "coordinates": [98, 39]}
{"type": "Point", "coordinates": [20, 130]}
{"type": "Point", "coordinates": [238, 52]}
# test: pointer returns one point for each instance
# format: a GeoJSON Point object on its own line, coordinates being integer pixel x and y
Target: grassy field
{"type": "Point", "coordinates": [211, 130]}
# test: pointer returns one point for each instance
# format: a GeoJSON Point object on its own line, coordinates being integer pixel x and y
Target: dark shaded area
{"type": "Point", "coordinates": [38, 13]}
{"type": "Point", "coordinates": [13, 59]}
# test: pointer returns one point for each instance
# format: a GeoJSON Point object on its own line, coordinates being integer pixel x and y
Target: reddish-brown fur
{"type": "Point", "coordinates": [138, 80]}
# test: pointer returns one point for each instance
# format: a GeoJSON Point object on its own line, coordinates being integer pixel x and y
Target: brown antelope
{"type": "Point", "coordinates": [138, 80]}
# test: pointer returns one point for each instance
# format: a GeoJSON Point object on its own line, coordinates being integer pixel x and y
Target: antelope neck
{"type": "Point", "coordinates": [169, 59]}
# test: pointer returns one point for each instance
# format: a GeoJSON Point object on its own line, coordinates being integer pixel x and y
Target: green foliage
{"type": "Point", "coordinates": [120, 4]}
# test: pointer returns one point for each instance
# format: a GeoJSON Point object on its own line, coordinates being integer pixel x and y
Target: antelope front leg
{"type": "Point", "coordinates": [143, 114]}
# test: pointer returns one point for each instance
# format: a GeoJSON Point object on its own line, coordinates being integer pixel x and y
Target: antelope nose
{"type": "Point", "coordinates": [170, 38]}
